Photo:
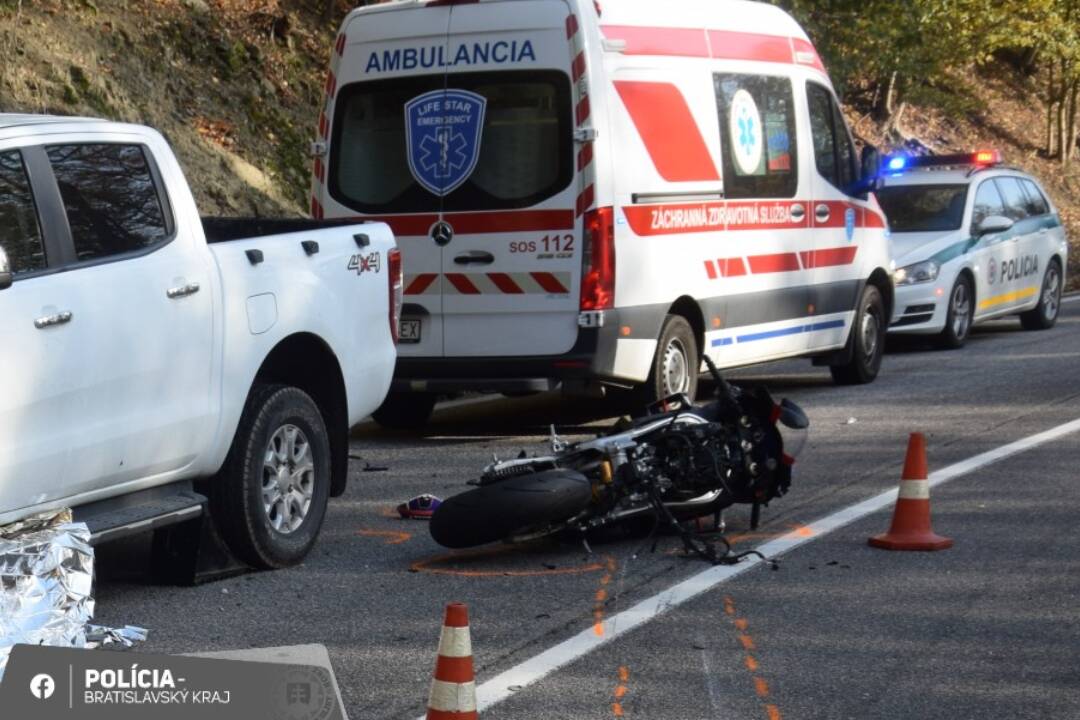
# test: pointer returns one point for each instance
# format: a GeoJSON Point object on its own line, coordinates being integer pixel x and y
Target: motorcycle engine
{"type": "Point", "coordinates": [743, 456]}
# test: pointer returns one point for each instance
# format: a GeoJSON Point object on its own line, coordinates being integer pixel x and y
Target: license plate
{"type": "Point", "coordinates": [409, 332]}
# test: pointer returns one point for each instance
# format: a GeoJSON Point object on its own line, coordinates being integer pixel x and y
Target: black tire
{"type": "Point", "coordinates": [675, 365]}
{"type": "Point", "coordinates": [498, 511]}
{"type": "Point", "coordinates": [960, 315]}
{"type": "Point", "coordinates": [1044, 315]}
{"type": "Point", "coordinates": [237, 494]}
{"type": "Point", "coordinates": [405, 410]}
{"type": "Point", "coordinates": [867, 341]}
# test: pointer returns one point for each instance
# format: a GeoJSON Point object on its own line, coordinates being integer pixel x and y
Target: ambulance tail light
{"type": "Point", "coordinates": [396, 281]}
{"type": "Point", "coordinates": [598, 261]}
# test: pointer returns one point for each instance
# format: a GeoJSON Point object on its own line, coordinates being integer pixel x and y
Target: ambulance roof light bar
{"type": "Point", "coordinates": [978, 160]}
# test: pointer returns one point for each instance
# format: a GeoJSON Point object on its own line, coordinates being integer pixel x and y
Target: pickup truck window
{"type": "Point", "coordinates": [20, 232]}
{"type": "Point", "coordinates": [113, 205]}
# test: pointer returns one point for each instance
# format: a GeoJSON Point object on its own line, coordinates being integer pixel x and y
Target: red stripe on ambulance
{"type": "Point", "coordinates": [462, 284]}
{"type": "Point", "coordinates": [682, 42]}
{"type": "Point", "coordinates": [549, 283]}
{"type": "Point", "coordinates": [731, 267]}
{"type": "Point", "coordinates": [585, 200]}
{"type": "Point", "coordinates": [571, 26]}
{"type": "Point", "coordinates": [669, 131]}
{"type": "Point", "coordinates": [585, 156]}
{"type": "Point", "coordinates": [479, 223]}
{"type": "Point", "coordinates": [718, 44]}
{"type": "Point", "coordinates": [421, 283]}
{"type": "Point", "coordinates": [581, 113]}
{"type": "Point", "coordinates": [830, 257]}
{"type": "Point", "coordinates": [578, 67]}
{"type": "Point", "coordinates": [778, 262]}
{"type": "Point", "coordinates": [727, 45]}
{"type": "Point", "coordinates": [505, 284]}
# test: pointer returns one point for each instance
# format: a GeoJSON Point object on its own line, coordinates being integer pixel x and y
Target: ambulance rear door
{"type": "Point", "coordinates": [391, 72]}
{"type": "Point", "coordinates": [511, 233]}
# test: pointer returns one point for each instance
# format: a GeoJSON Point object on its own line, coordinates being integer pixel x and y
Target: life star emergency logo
{"type": "Point", "coordinates": [746, 133]}
{"type": "Point", "coordinates": [442, 131]}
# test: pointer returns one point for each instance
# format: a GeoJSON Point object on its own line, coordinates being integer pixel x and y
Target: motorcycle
{"type": "Point", "coordinates": [677, 463]}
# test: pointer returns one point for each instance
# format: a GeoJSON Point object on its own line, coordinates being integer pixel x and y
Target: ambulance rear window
{"type": "Point", "coordinates": [923, 208]}
{"type": "Point", "coordinates": [523, 156]}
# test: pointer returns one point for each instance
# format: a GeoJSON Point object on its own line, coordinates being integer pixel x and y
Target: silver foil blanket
{"type": "Point", "coordinates": [46, 587]}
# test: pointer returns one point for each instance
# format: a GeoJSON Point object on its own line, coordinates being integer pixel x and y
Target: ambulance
{"type": "Point", "coordinates": [593, 195]}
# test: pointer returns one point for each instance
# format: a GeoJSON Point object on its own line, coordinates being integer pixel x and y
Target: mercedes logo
{"type": "Point", "coordinates": [442, 233]}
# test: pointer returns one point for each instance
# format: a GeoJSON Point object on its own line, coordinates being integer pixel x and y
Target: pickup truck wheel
{"type": "Point", "coordinates": [868, 338]}
{"type": "Point", "coordinates": [405, 410]}
{"type": "Point", "coordinates": [270, 498]}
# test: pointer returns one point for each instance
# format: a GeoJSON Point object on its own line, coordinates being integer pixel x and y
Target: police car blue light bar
{"type": "Point", "coordinates": [981, 158]}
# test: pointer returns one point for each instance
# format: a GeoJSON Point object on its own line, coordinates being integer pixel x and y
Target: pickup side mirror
{"type": "Point", "coordinates": [6, 276]}
{"type": "Point", "coordinates": [992, 224]}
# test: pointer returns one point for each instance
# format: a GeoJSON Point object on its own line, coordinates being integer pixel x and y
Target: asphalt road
{"type": "Point", "coordinates": [839, 631]}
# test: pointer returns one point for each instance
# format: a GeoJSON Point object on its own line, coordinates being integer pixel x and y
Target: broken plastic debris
{"type": "Point", "coordinates": [46, 587]}
{"type": "Point", "coordinates": [851, 421]}
{"type": "Point", "coordinates": [421, 507]}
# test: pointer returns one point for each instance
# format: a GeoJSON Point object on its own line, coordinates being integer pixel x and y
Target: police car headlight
{"type": "Point", "coordinates": [917, 273]}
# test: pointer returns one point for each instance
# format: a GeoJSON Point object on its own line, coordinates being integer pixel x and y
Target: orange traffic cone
{"type": "Point", "coordinates": [453, 690]}
{"type": "Point", "coordinates": [910, 529]}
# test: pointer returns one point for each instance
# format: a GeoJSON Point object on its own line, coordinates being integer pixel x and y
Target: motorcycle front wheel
{"type": "Point", "coordinates": [510, 507]}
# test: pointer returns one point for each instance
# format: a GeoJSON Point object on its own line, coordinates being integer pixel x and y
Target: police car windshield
{"type": "Point", "coordinates": [923, 208]}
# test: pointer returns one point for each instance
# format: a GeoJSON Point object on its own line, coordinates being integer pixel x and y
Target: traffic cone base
{"type": "Point", "coordinates": [910, 529]}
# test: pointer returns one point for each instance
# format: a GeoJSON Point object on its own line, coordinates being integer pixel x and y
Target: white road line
{"type": "Point", "coordinates": [1070, 299]}
{"type": "Point", "coordinates": [536, 668]}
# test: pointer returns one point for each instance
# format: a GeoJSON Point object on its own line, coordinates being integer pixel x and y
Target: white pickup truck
{"type": "Point", "coordinates": [155, 364]}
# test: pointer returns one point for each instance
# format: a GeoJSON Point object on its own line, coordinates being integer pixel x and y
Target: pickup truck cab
{"type": "Point", "coordinates": [154, 364]}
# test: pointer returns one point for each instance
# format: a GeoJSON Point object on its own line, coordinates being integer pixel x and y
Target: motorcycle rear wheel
{"type": "Point", "coordinates": [510, 507]}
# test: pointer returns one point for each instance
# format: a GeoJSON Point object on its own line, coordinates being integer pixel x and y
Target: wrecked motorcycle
{"type": "Point", "coordinates": [677, 463]}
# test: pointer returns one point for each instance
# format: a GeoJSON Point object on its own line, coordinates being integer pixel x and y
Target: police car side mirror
{"type": "Point", "coordinates": [993, 224]}
{"type": "Point", "coordinates": [6, 276]}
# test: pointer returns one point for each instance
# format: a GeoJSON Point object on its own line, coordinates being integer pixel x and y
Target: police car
{"type": "Point", "coordinates": [972, 240]}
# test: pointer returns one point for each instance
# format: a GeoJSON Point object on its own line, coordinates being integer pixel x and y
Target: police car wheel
{"type": "Point", "coordinates": [958, 317]}
{"type": "Point", "coordinates": [675, 366]}
{"type": "Point", "coordinates": [867, 341]}
{"type": "Point", "coordinates": [1044, 315]}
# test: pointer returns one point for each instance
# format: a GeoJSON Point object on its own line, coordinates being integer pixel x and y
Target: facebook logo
{"type": "Point", "coordinates": [42, 686]}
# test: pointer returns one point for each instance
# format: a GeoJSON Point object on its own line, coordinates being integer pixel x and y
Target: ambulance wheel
{"type": "Point", "coordinates": [405, 410]}
{"type": "Point", "coordinates": [867, 341]}
{"type": "Point", "coordinates": [1044, 315]}
{"type": "Point", "coordinates": [675, 366]}
{"type": "Point", "coordinates": [958, 317]}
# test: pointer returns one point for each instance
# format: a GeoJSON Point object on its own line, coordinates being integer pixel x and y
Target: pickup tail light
{"type": "Point", "coordinates": [396, 281]}
{"type": "Point", "coordinates": [598, 261]}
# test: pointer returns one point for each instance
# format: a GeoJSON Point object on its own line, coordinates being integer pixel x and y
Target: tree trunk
{"type": "Point", "coordinates": [328, 10]}
{"type": "Point", "coordinates": [1070, 123]}
{"type": "Point", "coordinates": [1051, 93]}
{"type": "Point", "coordinates": [1059, 130]}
